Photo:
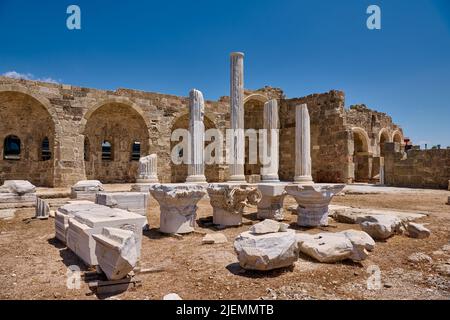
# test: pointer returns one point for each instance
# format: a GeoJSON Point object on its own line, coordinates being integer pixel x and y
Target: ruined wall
{"type": "Point", "coordinates": [329, 149]}
{"type": "Point", "coordinates": [417, 168]}
{"type": "Point", "coordinates": [69, 114]}
{"type": "Point", "coordinates": [374, 123]}
{"type": "Point", "coordinates": [24, 117]}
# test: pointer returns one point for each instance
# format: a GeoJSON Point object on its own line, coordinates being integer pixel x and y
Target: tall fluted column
{"type": "Point", "coordinates": [237, 117]}
{"type": "Point", "coordinates": [269, 172]}
{"type": "Point", "coordinates": [302, 146]}
{"type": "Point", "coordinates": [196, 167]}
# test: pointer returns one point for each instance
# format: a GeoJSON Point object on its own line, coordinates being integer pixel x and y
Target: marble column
{"type": "Point", "coordinates": [196, 167]}
{"type": "Point", "coordinates": [302, 146]}
{"type": "Point", "coordinates": [237, 117]}
{"type": "Point", "coordinates": [148, 167]}
{"type": "Point", "coordinates": [269, 172]}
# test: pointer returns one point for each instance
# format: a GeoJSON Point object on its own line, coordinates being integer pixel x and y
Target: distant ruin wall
{"type": "Point", "coordinates": [417, 168]}
{"type": "Point", "coordinates": [329, 136]}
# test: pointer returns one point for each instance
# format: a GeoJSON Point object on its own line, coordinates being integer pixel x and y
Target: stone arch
{"type": "Point", "coordinates": [397, 136]}
{"type": "Point", "coordinates": [256, 96]}
{"type": "Point", "coordinates": [253, 119]}
{"type": "Point", "coordinates": [31, 118]}
{"type": "Point", "coordinates": [383, 137]}
{"type": "Point", "coordinates": [179, 173]}
{"type": "Point", "coordinates": [120, 122]}
{"type": "Point", "coordinates": [362, 157]}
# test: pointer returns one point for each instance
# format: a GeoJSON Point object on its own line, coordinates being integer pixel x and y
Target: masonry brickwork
{"type": "Point", "coordinates": [345, 143]}
{"type": "Point", "coordinates": [417, 168]}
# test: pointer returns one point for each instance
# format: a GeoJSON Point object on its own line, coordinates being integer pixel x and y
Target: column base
{"type": "Point", "coordinates": [171, 222]}
{"type": "Point", "coordinates": [303, 180]}
{"type": "Point", "coordinates": [312, 216]}
{"type": "Point", "coordinates": [237, 178]}
{"type": "Point", "coordinates": [196, 179]}
{"type": "Point", "coordinates": [270, 178]}
{"type": "Point", "coordinates": [226, 218]}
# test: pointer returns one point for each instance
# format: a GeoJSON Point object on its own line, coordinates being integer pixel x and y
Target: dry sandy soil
{"type": "Point", "coordinates": [34, 265]}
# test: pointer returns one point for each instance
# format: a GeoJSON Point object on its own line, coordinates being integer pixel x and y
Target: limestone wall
{"type": "Point", "coordinates": [77, 119]}
{"type": "Point", "coordinates": [329, 137]}
{"type": "Point", "coordinates": [417, 168]}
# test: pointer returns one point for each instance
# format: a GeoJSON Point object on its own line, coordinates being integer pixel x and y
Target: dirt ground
{"type": "Point", "coordinates": [34, 265]}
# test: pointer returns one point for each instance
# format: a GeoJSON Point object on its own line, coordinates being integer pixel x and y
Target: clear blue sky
{"type": "Point", "coordinates": [303, 47]}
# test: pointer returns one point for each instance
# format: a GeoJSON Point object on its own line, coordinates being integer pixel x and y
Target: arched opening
{"type": "Point", "coordinates": [110, 132]}
{"type": "Point", "coordinates": [253, 119]}
{"type": "Point", "coordinates": [179, 172]}
{"type": "Point", "coordinates": [26, 139]}
{"type": "Point", "coordinates": [397, 137]}
{"type": "Point", "coordinates": [86, 148]}
{"type": "Point", "coordinates": [362, 158]}
{"type": "Point", "coordinates": [11, 148]}
{"type": "Point", "coordinates": [136, 151]}
{"type": "Point", "coordinates": [46, 153]}
{"type": "Point", "coordinates": [384, 137]}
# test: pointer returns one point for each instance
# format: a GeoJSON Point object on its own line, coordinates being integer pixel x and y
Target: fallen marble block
{"type": "Point", "coordinates": [345, 214]}
{"type": "Point", "coordinates": [63, 213]}
{"type": "Point", "coordinates": [20, 192]}
{"type": "Point", "coordinates": [268, 226]}
{"type": "Point", "coordinates": [328, 247]}
{"type": "Point", "coordinates": [86, 223]}
{"type": "Point", "coordinates": [381, 227]}
{"type": "Point", "coordinates": [19, 187]}
{"type": "Point", "coordinates": [214, 238]}
{"type": "Point", "coordinates": [172, 296]}
{"type": "Point", "coordinates": [416, 230]}
{"type": "Point", "coordinates": [178, 206]}
{"type": "Point", "coordinates": [42, 209]}
{"type": "Point", "coordinates": [266, 251]}
{"type": "Point", "coordinates": [136, 202]}
{"type": "Point", "coordinates": [86, 189]}
{"type": "Point", "coordinates": [116, 252]}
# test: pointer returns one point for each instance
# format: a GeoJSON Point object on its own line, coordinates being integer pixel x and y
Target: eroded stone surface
{"type": "Point", "coordinates": [271, 204]}
{"type": "Point", "coordinates": [417, 230]}
{"type": "Point", "coordinates": [330, 247]}
{"type": "Point", "coordinates": [420, 257]}
{"type": "Point", "coordinates": [178, 205]}
{"type": "Point", "coordinates": [19, 187]}
{"type": "Point", "coordinates": [381, 227]}
{"type": "Point", "coordinates": [86, 189]}
{"type": "Point", "coordinates": [214, 238]}
{"type": "Point", "coordinates": [268, 226]}
{"type": "Point", "coordinates": [229, 200]}
{"type": "Point", "coordinates": [116, 252]}
{"type": "Point", "coordinates": [313, 201]}
{"type": "Point", "coordinates": [267, 251]}
{"type": "Point", "coordinates": [346, 214]}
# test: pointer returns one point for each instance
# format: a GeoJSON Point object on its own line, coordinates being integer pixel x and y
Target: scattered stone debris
{"type": "Point", "coordinates": [172, 296]}
{"type": "Point", "coordinates": [17, 193]}
{"type": "Point", "coordinates": [214, 238]}
{"type": "Point", "coordinates": [381, 227]}
{"type": "Point", "coordinates": [420, 257]}
{"type": "Point", "coordinates": [86, 190]}
{"type": "Point", "coordinates": [330, 247]}
{"type": "Point", "coordinates": [136, 202]}
{"type": "Point", "coordinates": [266, 251]}
{"type": "Point", "coordinates": [416, 230]}
{"type": "Point", "coordinates": [345, 214]}
{"type": "Point", "coordinates": [443, 269]}
{"type": "Point", "coordinates": [42, 209]}
{"type": "Point", "coordinates": [268, 226]}
{"type": "Point", "coordinates": [116, 252]}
